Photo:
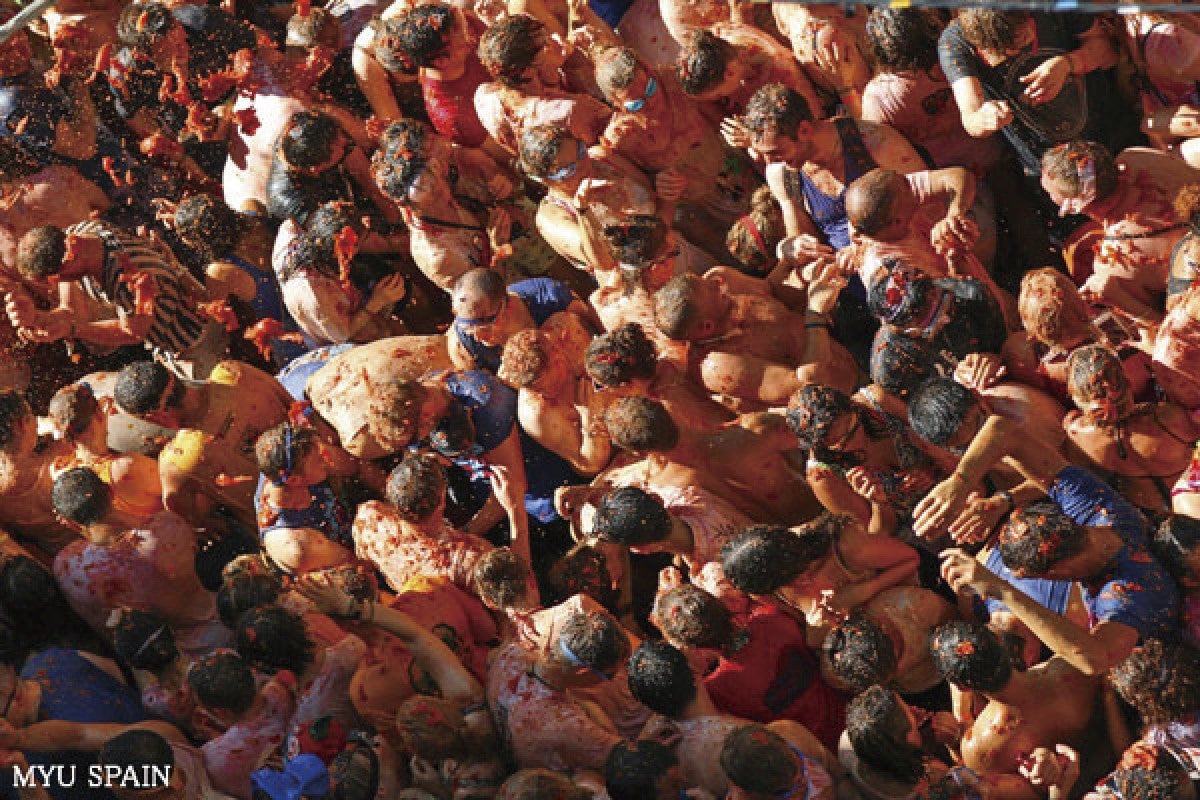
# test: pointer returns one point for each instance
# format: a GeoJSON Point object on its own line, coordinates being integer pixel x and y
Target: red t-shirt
{"type": "Point", "coordinates": [451, 104]}
{"type": "Point", "coordinates": [775, 676]}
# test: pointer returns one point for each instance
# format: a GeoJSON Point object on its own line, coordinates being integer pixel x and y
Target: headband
{"type": "Point", "coordinates": [756, 234]}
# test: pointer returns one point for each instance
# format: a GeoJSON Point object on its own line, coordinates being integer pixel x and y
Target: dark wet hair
{"type": "Point", "coordinates": [431, 728]}
{"type": "Point", "coordinates": [937, 408]}
{"type": "Point", "coordinates": [638, 241]}
{"type": "Point", "coordinates": [510, 46]}
{"type": "Point", "coordinates": [40, 252]}
{"type": "Point", "coordinates": [72, 408]}
{"type": "Point", "coordinates": [142, 24]}
{"type": "Point", "coordinates": [971, 656]}
{"type": "Point", "coordinates": [27, 589]}
{"type": "Point", "coordinates": [903, 39]}
{"type": "Point", "coordinates": [900, 363]}
{"type": "Point", "coordinates": [328, 219]}
{"type": "Point", "coordinates": [386, 47]}
{"type": "Point", "coordinates": [223, 681]}
{"type": "Point", "coordinates": [630, 516]}
{"type": "Point", "coordinates": [778, 109]}
{"type": "Point", "coordinates": [14, 412]}
{"type": "Point", "coordinates": [1154, 774]}
{"type": "Point", "coordinates": [208, 226]}
{"type": "Point", "coordinates": [876, 726]}
{"type": "Point", "coordinates": [16, 162]}
{"type": "Point", "coordinates": [812, 412]}
{"type": "Point", "coordinates": [641, 425]}
{"type": "Point", "coordinates": [423, 34]}
{"type": "Point", "coordinates": [633, 769]}
{"type": "Point", "coordinates": [860, 653]}
{"type": "Point", "coordinates": [280, 451]}
{"type": "Point", "coordinates": [501, 577]}
{"type": "Point", "coordinates": [1037, 537]}
{"type": "Point", "coordinates": [144, 640]}
{"type": "Point", "coordinates": [621, 356]}
{"type": "Point", "coordinates": [871, 201]}
{"type": "Point", "coordinates": [80, 496]}
{"type": "Point", "coordinates": [692, 616]}
{"type": "Point", "coordinates": [402, 157]}
{"type": "Point", "coordinates": [308, 139]}
{"type": "Point", "coordinates": [482, 283]}
{"type": "Point", "coordinates": [244, 592]}
{"type": "Point", "coordinates": [272, 639]}
{"type": "Point", "coordinates": [310, 252]}
{"type": "Point", "coordinates": [1065, 164]}
{"type": "Point", "coordinates": [762, 558]}
{"type": "Point", "coordinates": [991, 29]}
{"type": "Point", "coordinates": [136, 750]}
{"type": "Point", "coordinates": [582, 570]}
{"type": "Point", "coordinates": [596, 638]}
{"type": "Point", "coordinates": [1175, 539]}
{"type": "Point", "coordinates": [702, 60]}
{"type": "Point", "coordinates": [140, 387]}
{"type": "Point", "coordinates": [756, 759]}
{"type": "Point", "coordinates": [1161, 680]}
{"type": "Point", "coordinates": [899, 294]}
{"type": "Point", "coordinates": [674, 311]}
{"type": "Point", "coordinates": [314, 29]}
{"type": "Point", "coordinates": [538, 146]}
{"type": "Point", "coordinates": [660, 678]}
{"type": "Point", "coordinates": [417, 486]}
{"type": "Point", "coordinates": [615, 68]}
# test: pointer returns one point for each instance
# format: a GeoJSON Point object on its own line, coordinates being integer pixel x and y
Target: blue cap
{"type": "Point", "coordinates": [303, 776]}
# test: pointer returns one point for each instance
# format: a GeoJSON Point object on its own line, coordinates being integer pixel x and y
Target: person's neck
{"type": "Point", "coordinates": [447, 73]}
{"type": "Point", "coordinates": [432, 526]}
{"type": "Point", "coordinates": [701, 706]}
{"type": "Point", "coordinates": [1102, 546]}
{"type": "Point", "coordinates": [826, 147]}
{"type": "Point", "coordinates": [1015, 693]}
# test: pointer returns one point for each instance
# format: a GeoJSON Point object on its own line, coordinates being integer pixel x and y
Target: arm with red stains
{"type": "Point", "coordinates": [1091, 652]}
{"type": "Point", "coordinates": [508, 490]}
{"type": "Point", "coordinates": [57, 735]}
{"type": "Point", "coordinates": [893, 560]}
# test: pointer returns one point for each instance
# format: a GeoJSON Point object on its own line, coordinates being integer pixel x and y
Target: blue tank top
{"type": "Point", "coordinates": [324, 513]}
{"type": "Point", "coordinates": [829, 213]}
{"type": "Point", "coordinates": [268, 303]}
{"type": "Point", "coordinates": [294, 377]}
{"type": "Point", "coordinates": [542, 296]}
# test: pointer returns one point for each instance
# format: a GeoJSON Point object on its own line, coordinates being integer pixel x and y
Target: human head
{"type": "Point", "coordinates": [311, 141]}
{"type": "Point", "coordinates": [860, 653]}
{"type": "Point", "coordinates": [903, 39]}
{"type": "Point", "coordinates": [760, 761]}
{"type": "Point", "coordinates": [146, 387]}
{"type": "Point", "coordinates": [812, 413]}
{"type": "Point", "coordinates": [688, 616]}
{"type": "Point", "coordinates": [938, 409]}
{"type": "Point", "coordinates": [317, 28]}
{"type": "Point", "coordinates": [284, 452]}
{"type": "Point", "coordinates": [16, 163]}
{"type": "Point", "coordinates": [539, 147]}
{"type": "Point", "coordinates": [705, 63]}
{"type": "Point", "coordinates": [1098, 384]}
{"type": "Point", "coordinates": [691, 307]}
{"type": "Point", "coordinates": [41, 251]}
{"type": "Point", "coordinates": [1150, 772]}
{"type": "Point", "coordinates": [81, 497]}
{"type": "Point", "coordinates": [243, 592]}
{"type": "Point", "coordinates": [272, 639]}
{"type": "Point", "coordinates": [970, 656]}
{"type": "Point", "coordinates": [1161, 680]}
{"type": "Point", "coordinates": [207, 225]}
{"type": "Point", "coordinates": [144, 640]}
{"type": "Point", "coordinates": [900, 363]}
{"type": "Point", "coordinates": [511, 46]}
{"type": "Point", "coordinates": [592, 644]}
{"type": "Point", "coordinates": [641, 425]}
{"type": "Point", "coordinates": [417, 487]}
{"type": "Point", "coordinates": [642, 770]}
{"type": "Point", "coordinates": [502, 580]}
{"type": "Point", "coordinates": [763, 558]}
{"type": "Point", "coordinates": [1077, 174]}
{"type": "Point", "coordinates": [660, 678]}
{"type": "Point", "coordinates": [529, 361]}
{"type": "Point", "coordinates": [881, 730]}
{"type": "Point", "coordinates": [1050, 307]}
{"type": "Point", "coordinates": [631, 517]}
{"type": "Point", "coordinates": [431, 35]}
{"type": "Point", "coordinates": [626, 82]}
{"type": "Point", "coordinates": [582, 570]}
{"type": "Point", "coordinates": [142, 26]}
{"type": "Point", "coordinates": [134, 752]}
{"type": "Point", "coordinates": [1176, 545]}
{"type": "Point", "coordinates": [638, 243]}
{"type": "Point", "coordinates": [900, 295]}
{"type": "Point", "coordinates": [479, 294]}
{"type": "Point", "coordinates": [993, 30]}
{"type": "Point", "coordinates": [431, 728]}
{"type": "Point", "coordinates": [540, 784]}
{"type": "Point", "coordinates": [778, 118]}
{"type": "Point", "coordinates": [73, 409]}
{"type": "Point", "coordinates": [880, 204]}
{"type": "Point", "coordinates": [401, 166]}
{"type": "Point", "coordinates": [223, 682]}
{"type": "Point", "coordinates": [624, 355]}
{"type": "Point", "coordinates": [1038, 538]}
{"type": "Point", "coordinates": [753, 238]}
{"type": "Point", "coordinates": [15, 418]}
{"type": "Point", "coordinates": [27, 589]}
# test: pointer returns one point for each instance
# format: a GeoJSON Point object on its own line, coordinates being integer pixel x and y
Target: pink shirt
{"type": "Point", "coordinates": [543, 727]}
{"type": "Point", "coordinates": [245, 747]}
{"type": "Point", "coordinates": [380, 538]}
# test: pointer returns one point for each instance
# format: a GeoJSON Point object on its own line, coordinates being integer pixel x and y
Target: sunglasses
{"type": "Point", "coordinates": [566, 171]}
{"type": "Point", "coordinates": [640, 103]}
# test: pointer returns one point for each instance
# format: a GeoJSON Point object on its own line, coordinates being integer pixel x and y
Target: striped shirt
{"type": "Point", "coordinates": [177, 325]}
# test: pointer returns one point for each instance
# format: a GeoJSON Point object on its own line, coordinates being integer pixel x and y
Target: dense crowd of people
{"type": "Point", "coordinates": [624, 399]}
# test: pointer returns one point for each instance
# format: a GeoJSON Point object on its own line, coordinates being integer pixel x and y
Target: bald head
{"type": "Point", "coordinates": [871, 201]}
{"type": "Point", "coordinates": [478, 293]}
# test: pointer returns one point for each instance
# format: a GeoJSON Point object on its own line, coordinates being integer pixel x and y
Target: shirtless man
{"type": "Point", "coordinates": [210, 458]}
{"type": "Point", "coordinates": [747, 345]}
{"type": "Point", "coordinates": [1132, 198]}
{"type": "Point", "coordinates": [26, 475]}
{"type": "Point", "coordinates": [1048, 704]}
{"type": "Point", "coordinates": [748, 462]}
{"type": "Point", "coordinates": [830, 45]}
{"type": "Point", "coordinates": [1143, 449]}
